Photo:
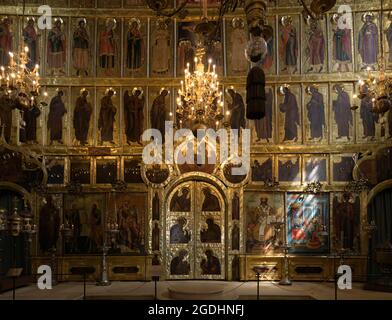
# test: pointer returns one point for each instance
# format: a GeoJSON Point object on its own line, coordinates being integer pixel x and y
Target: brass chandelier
{"type": "Point", "coordinates": [19, 83]}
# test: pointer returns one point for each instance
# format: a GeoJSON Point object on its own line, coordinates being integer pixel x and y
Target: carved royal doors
{"type": "Point", "coordinates": [195, 232]}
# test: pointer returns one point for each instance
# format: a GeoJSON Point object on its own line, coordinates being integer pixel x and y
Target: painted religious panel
{"type": "Point", "coordinates": [342, 168]}
{"type": "Point", "coordinates": [263, 130]}
{"type": "Point", "coordinates": [135, 47]}
{"type": "Point", "coordinates": [346, 222]}
{"type": "Point", "coordinates": [57, 48]}
{"type": "Point", "coordinates": [269, 63]}
{"type": "Point", "coordinates": [109, 4]}
{"type": "Point", "coordinates": [49, 221]}
{"type": "Point", "coordinates": [58, 116]}
{"type": "Point", "coordinates": [187, 40]}
{"type": "Point", "coordinates": [108, 115]}
{"type": "Point", "coordinates": [161, 48]}
{"type": "Point", "coordinates": [56, 170]}
{"type": "Point", "coordinates": [82, 3]}
{"type": "Point", "coordinates": [368, 127]}
{"type": "Point", "coordinates": [160, 109]}
{"type": "Point", "coordinates": [307, 219]}
{"type": "Point", "coordinates": [234, 112]}
{"type": "Point", "coordinates": [262, 169]}
{"type": "Point", "coordinates": [314, 46]}
{"type": "Point", "coordinates": [82, 116]}
{"type": "Point", "coordinates": [264, 221]}
{"type": "Point", "coordinates": [289, 169]}
{"type": "Point", "coordinates": [8, 26]}
{"type": "Point", "coordinates": [106, 170]}
{"type": "Point", "coordinates": [108, 47]}
{"type": "Point", "coordinates": [86, 212]}
{"type": "Point", "coordinates": [32, 39]}
{"type": "Point", "coordinates": [315, 168]}
{"type": "Point", "coordinates": [134, 115]}
{"type": "Point", "coordinates": [128, 210]}
{"type": "Point", "coordinates": [237, 38]}
{"type": "Point", "coordinates": [31, 126]}
{"type": "Point", "coordinates": [342, 122]}
{"type": "Point", "coordinates": [289, 34]}
{"type": "Point", "coordinates": [83, 47]}
{"type": "Point", "coordinates": [132, 170]}
{"type": "Point", "coordinates": [341, 48]}
{"type": "Point", "coordinates": [80, 171]}
{"type": "Point", "coordinates": [387, 23]}
{"type": "Point", "coordinates": [316, 113]}
{"type": "Point", "coordinates": [289, 114]}
{"type": "Point", "coordinates": [367, 40]}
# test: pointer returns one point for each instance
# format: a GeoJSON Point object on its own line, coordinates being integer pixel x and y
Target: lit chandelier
{"type": "Point", "coordinates": [199, 101]}
{"type": "Point", "coordinates": [377, 87]}
{"type": "Point", "coordinates": [18, 82]}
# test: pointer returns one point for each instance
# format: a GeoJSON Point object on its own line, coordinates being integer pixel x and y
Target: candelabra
{"type": "Point", "coordinates": [199, 101]}
{"type": "Point", "coordinates": [111, 232]}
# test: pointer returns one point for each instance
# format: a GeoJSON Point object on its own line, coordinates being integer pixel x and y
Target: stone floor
{"type": "Point", "coordinates": [231, 290]}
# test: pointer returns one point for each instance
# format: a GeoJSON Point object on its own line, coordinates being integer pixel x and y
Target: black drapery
{"type": "Point", "coordinates": [380, 211]}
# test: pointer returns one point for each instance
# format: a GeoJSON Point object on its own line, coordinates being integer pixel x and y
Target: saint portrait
{"type": "Point", "coordinates": [58, 113]}
{"type": "Point", "coordinates": [368, 122]}
{"type": "Point", "coordinates": [135, 47]}
{"type": "Point", "coordinates": [314, 56]}
{"type": "Point", "coordinates": [211, 201]}
{"type": "Point", "coordinates": [263, 211]}
{"type": "Point", "coordinates": [161, 48]}
{"type": "Point", "coordinates": [31, 38]}
{"type": "Point", "coordinates": [134, 102]}
{"type": "Point", "coordinates": [187, 40]}
{"type": "Point", "coordinates": [108, 54]}
{"type": "Point", "coordinates": [82, 115]}
{"type": "Point", "coordinates": [160, 110]}
{"type": "Point", "coordinates": [342, 125]}
{"type": "Point", "coordinates": [268, 63]}
{"type": "Point", "coordinates": [6, 40]}
{"type": "Point", "coordinates": [210, 264]}
{"type": "Point", "coordinates": [181, 200]}
{"type": "Point", "coordinates": [346, 221]}
{"type": "Point", "coordinates": [367, 40]}
{"type": "Point", "coordinates": [211, 233]}
{"type": "Point", "coordinates": [82, 44]}
{"type": "Point", "coordinates": [86, 213]}
{"type": "Point", "coordinates": [341, 49]}
{"type": "Point", "coordinates": [289, 169]}
{"type": "Point", "coordinates": [315, 113]}
{"type": "Point", "coordinates": [315, 169]}
{"type": "Point", "coordinates": [342, 168]}
{"type": "Point", "coordinates": [237, 41]}
{"type": "Point", "coordinates": [128, 211]}
{"type": "Point", "coordinates": [108, 116]}
{"type": "Point", "coordinates": [179, 232]}
{"type": "Point", "coordinates": [57, 48]}
{"type": "Point", "coordinates": [179, 265]}
{"type": "Point", "coordinates": [288, 45]}
{"type": "Point", "coordinates": [262, 169]}
{"type": "Point", "coordinates": [289, 115]}
{"type": "Point", "coordinates": [307, 222]}
{"type": "Point", "coordinates": [264, 127]}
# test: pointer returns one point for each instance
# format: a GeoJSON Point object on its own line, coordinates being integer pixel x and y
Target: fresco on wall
{"type": "Point", "coordinates": [263, 210]}
{"type": "Point", "coordinates": [346, 221]}
{"type": "Point", "coordinates": [289, 44]}
{"type": "Point", "coordinates": [314, 46]}
{"type": "Point", "coordinates": [83, 47]}
{"type": "Point", "coordinates": [316, 113]}
{"type": "Point", "coordinates": [161, 48]}
{"type": "Point", "coordinates": [86, 212]}
{"type": "Point", "coordinates": [108, 47]}
{"type": "Point", "coordinates": [56, 48]}
{"type": "Point", "coordinates": [307, 222]}
{"type": "Point", "coordinates": [135, 47]}
{"type": "Point", "coordinates": [128, 210]}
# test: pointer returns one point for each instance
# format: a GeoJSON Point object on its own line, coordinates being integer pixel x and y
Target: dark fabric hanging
{"type": "Point", "coordinates": [255, 94]}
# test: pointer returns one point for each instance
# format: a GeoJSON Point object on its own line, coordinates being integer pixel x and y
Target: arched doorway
{"type": "Point", "coordinates": [195, 231]}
